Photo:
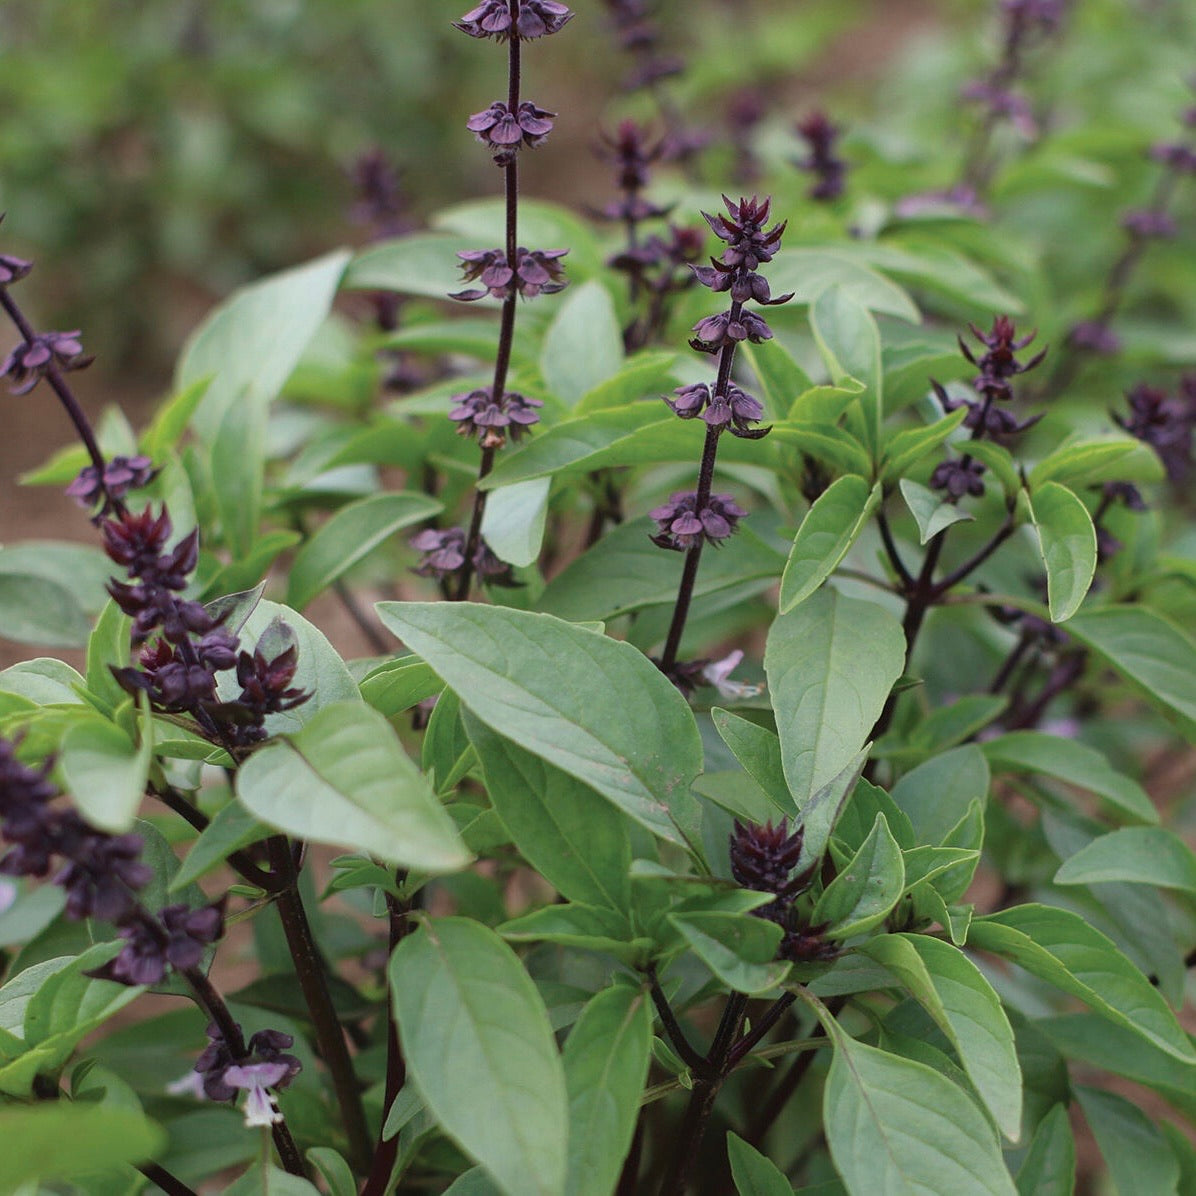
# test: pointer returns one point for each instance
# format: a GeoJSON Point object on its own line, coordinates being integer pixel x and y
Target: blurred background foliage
{"type": "Point", "coordinates": [154, 156]}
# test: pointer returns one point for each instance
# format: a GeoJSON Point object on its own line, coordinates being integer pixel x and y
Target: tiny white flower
{"type": "Point", "coordinates": [256, 1078]}
{"type": "Point", "coordinates": [717, 672]}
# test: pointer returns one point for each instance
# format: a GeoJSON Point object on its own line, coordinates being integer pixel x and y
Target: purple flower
{"type": "Point", "coordinates": [102, 874]}
{"type": "Point", "coordinates": [828, 169]}
{"type": "Point", "coordinates": [31, 360]}
{"type": "Point", "coordinates": [999, 365]}
{"type": "Point", "coordinates": [503, 130]}
{"type": "Point", "coordinates": [13, 269]}
{"type": "Point", "coordinates": [492, 18]}
{"type": "Point", "coordinates": [631, 149]}
{"type": "Point", "coordinates": [682, 525]}
{"type": "Point", "coordinates": [1149, 224]}
{"type": "Point", "coordinates": [718, 673]}
{"type": "Point", "coordinates": [715, 332]}
{"type": "Point", "coordinates": [121, 474]}
{"type": "Point", "coordinates": [1175, 156]}
{"type": "Point", "coordinates": [1165, 423]}
{"type": "Point", "coordinates": [537, 271]}
{"type": "Point", "coordinates": [734, 409]}
{"type": "Point", "coordinates": [222, 1074]}
{"type": "Point", "coordinates": [176, 939]}
{"type": "Point", "coordinates": [748, 242]}
{"type": "Point", "coordinates": [763, 857]}
{"type": "Point", "coordinates": [476, 413]}
{"type": "Point", "coordinates": [958, 476]}
{"type": "Point", "coordinates": [444, 551]}
{"type": "Point", "coordinates": [1094, 336]}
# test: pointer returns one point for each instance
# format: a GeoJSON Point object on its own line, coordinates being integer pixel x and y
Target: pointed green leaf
{"type": "Point", "coordinates": [1142, 855]}
{"type": "Point", "coordinates": [584, 343]}
{"type": "Point", "coordinates": [1067, 541]}
{"type": "Point", "coordinates": [930, 511]}
{"type": "Point", "coordinates": [758, 750]}
{"type": "Point", "coordinates": [1138, 1156]}
{"type": "Point", "coordinates": [1049, 1168]}
{"type": "Point", "coordinates": [105, 773]}
{"type": "Point", "coordinates": [849, 341]}
{"type": "Point", "coordinates": [573, 837]}
{"type": "Point", "coordinates": [866, 889]}
{"type": "Point", "coordinates": [606, 1063]}
{"type": "Point", "coordinates": [1061, 948]}
{"type": "Point", "coordinates": [937, 794]}
{"type": "Point", "coordinates": [738, 948]}
{"type": "Point", "coordinates": [345, 779]}
{"type": "Point", "coordinates": [964, 1006]}
{"type": "Point", "coordinates": [57, 1140]}
{"type": "Point", "coordinates": [513, 521]}
{"type": "Point", "coordinates": [1149, 652]}
{"type": "Point", "coordinates": [896, 1127]}
{"type": "Point", "coordinates": [480, 1049]}
{"type": "Point", "coordinates": [1073, 762]}
{"type": "Point", "coordinates": [910, 445]}
{"type": "Point", "coordinates": [831, 526]}
{"type": "Point", "coordinates": [232, 828]}
{"type": "Point", "coordinates": [349, 536]}
{"type": "Point", "coordinates": [530, 677]}
{"type": "Point", "coordinates": [830, 662]}
{"type": "Point", "coordinates": [754, 1174]}
{"type": "Point", "coordinates": [1088, 462]}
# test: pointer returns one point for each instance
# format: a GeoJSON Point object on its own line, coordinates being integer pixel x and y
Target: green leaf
{"type": "Point", "coordinates": [963, 1005]}
{"type": "Point", "coordinates": [1111, 458]}
{"type": "Point", "coordinates": [513, 521]}
{"type": "Point", "coordinates": [758, 750]}
{"type": "Point", "coordinates": [640, 377]}
{"type": "Point", "coordinates": [399, 684]}
{"type": "Point", "coordinates": [36, 611]}
{"type": "Point", "coordinates": [931, 512]}
{"type": "Point", "coordinates": [479, 1046]}
{"type": "Point", "coordinates": [896, 1127]}
{"type": "Point", "coordinates": [350, 536]}
{"type": "Point", "coordinates": [247, 571]}
{"type": "Point", "coordinates": [171, 419]}
{"type": "Point", "coordinates": [866, 888]}
{"type": "Point", "coordinates": [849, 341]}
{"type": "Point", "coordinates": [754, 1174]}
{"type": "Point", "coordinates": [820, 814]}
{"type": "Point", "coordinates": [61, 1141]}
{"type": "Point", "coordinates": [947, 726]}
{"type": "Point", "coordinates": [1049, 1168]}
{"type": "Point", "coordinates": [591, 927]}
{"type": "Point", "coordinates": [105, 773]}
{"type": "Point", "coordinates": [937, 794]}
{"type": "Point", "coordinates": [831, 526]}
{"type": "Point", "coordinates": [625, 571]}
{"type": "Point", "coordinates": [344, 779]}
{"type": "Point", "coordinates": [574, 838]}
{"type": "Point", "coordinates": [1137, 1154]}
{"type": "Point", "coordinates": [44, 681]}
{"type": "Point", "coordinates": [825, 442]}
{"type": "Point", "coordinates": [1143, 855]}
{"type": "Point", "coordinates": [1061, 948]}
{"type": "Point", "coordinates": [424, 264]}
{"type": "Point", "coordinates": [584, 343]}
{"type": "Point", "coordinates": [830, 662]}
{"type": "Point", "coordinates": [606, 1063]}
{"type": "Point", "coordinates": [334, 1170]}
{"type": "Point", "coordinates": [1067, 541]}
{"type": "Point", "coordinates": [1149, 652]}
{"type": "Point", "coordinates": [232, 828]}
{"type": "Point", "coordinates": [738, 948]}
{"type": "Point", "coordinates": [781, 378]}
{"type": "Point", "coordinates": [264, 1179]}
{"type": "Point", "coordinates": [910, 445]}
{"type": "Point", "coordinates": [1073, 762]}
{"type": "Point", "coordinates": [811, 273]}
{"type": "Point", "coordinates": [247, 348]}
{"type": "Point", "coordinates": [530, 678]}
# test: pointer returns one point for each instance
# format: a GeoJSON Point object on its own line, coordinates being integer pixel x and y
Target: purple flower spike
{"type": "Point", "coordinates": [537, 18]}
{"type": "Point", "coordinates": [503, 130]}
{"type": "Point", "coordinates": [682, 525]}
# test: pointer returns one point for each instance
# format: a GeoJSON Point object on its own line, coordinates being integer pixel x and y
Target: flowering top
{"type": "Point", "coordinates": [444, 555]}
{"type": "Point", "coordinates": [13, 269]}
{"type": "Point", "coordinates": [998, 366]}
{"type": "Point", "coordinates": [33, 359]}
{"type": "Point", "coordinates": [632, 151]}
{"type": "Point", "coordinates": [748, 243]}
{"type": "Point", "coordinates": [492, 18]}
{"type": "Point", "coordinates": [121, 474]}
{"type": "Point", "coordinates": [733, 409]}
{"type": "Point", "coordinates": [683, 524]}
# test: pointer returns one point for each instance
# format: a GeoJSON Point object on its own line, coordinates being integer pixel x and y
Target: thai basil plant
{"type": "Point", "coordinates": [765, 773]}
